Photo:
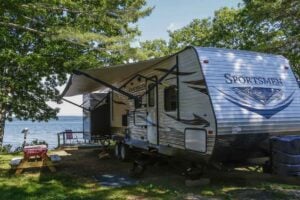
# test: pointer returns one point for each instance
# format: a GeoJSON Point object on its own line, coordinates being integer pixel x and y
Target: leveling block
{"type": "Point", "coordinates": [286, 155]}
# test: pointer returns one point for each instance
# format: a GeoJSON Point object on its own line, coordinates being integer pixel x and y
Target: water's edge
{"type": "Point", "coordinates": [40, 130]}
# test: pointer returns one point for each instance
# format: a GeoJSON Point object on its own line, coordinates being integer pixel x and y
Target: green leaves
{"type": "Point", "coordinates": [42, 41]}
{"type": "Point", "coordinates": [281, 22]}
{"type": "Point", "coordinates": [258, 25]}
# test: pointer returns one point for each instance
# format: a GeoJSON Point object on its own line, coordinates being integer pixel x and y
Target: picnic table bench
{"type": "Point", "coordinates": [34, 157]}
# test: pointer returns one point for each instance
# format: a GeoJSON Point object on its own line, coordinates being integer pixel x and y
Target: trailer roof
{"type": "Point", "coordinates": [80, 84]}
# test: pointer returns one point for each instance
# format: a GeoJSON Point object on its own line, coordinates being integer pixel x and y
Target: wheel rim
{"type": "Point", "coordinates": [123, 153]}
{"type": "Point", "coordinates": [117, 150]}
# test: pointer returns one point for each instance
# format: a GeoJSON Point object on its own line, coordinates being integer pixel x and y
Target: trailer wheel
{"type": "Point", "coordinates": [117, 150]}
{"type": "Point", "coordinates": [124, 152]}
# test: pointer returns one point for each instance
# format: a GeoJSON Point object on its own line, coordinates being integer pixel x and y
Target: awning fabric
{"type": "Point", "coordinates": [80, 84]}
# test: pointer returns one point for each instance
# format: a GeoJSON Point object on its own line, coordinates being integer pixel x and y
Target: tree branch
{"type": "Point", "coordinates": [17, 26]}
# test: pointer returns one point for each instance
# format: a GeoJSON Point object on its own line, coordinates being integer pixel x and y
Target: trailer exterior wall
{"type": "Point", "coordinates": [188, 128]}
{"type": "Point", "coordinates": [254, 96]}
{"type": "Point", "coordinates": [195, 105]}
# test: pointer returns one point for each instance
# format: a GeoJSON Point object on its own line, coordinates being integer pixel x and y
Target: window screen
{"type": "Point", "coordinates": [137, 103]}
{"type": "Point", "coordinates": [151, 96]}
{"type": "Point", "coordinates": [170, 96]}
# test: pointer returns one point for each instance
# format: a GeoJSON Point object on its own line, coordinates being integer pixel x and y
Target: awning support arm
{"type": "Point", "coordinates": [75, 104]}
{"type": "Point", "coordinates": [137, 75]}
{"type": "Point", "coordinates": [77, 72]}
{"type": "Point", "coordinates": [100, 101]}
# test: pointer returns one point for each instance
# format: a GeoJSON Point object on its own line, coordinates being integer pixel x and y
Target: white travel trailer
{"type": "Point", "coordinates": [203, 103]}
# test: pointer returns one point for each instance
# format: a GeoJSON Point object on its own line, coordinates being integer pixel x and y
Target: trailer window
{"type": "Point", "coordinates": [137, 103]}
{"type": "Point", "coordinates": [151, 99]}
{"type": "Point", "coordinates": [170, 96]}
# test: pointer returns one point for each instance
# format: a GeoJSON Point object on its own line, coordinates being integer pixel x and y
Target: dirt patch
{"type": "Point", "coordinates": [85, 164]}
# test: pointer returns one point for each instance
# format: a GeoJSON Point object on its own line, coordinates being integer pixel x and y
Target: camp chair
{"type": "Point", "coordinates": [70, 136]}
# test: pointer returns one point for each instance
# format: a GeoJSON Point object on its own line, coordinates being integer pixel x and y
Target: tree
{"type": "Point", "coordinates": [42, 41]}
{"type": "Point", "coordinates": [281, 18]}
{"type": "Point", "coordinates": [257, 25]}
{"type": "Point", "coordinates": [197, 33]}
{"type": "Point", "coordinates": [229, 28]}
{"type": "Point", "coordinates": [153, 49]}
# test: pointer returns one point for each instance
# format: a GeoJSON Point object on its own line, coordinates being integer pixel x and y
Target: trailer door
{"type": "Point", "coordinates": [152, 114]}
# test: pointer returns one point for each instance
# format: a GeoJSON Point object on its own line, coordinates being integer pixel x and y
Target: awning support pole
{"type": "Point", "coordinates": [77, 72]}
{"type": "Point", "coordinates": [100, 101]}
{"type": "Point", "coordinates": [75, 104]}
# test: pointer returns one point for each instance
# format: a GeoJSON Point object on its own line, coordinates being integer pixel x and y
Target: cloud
{"type": "Point", "coordinates": [173, 26]}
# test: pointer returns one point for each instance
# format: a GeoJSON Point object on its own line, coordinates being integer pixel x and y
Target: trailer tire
{"type": "Point", "coordinates": [117, 150]}
{"type": "Point", "coordinates": [124, 152]}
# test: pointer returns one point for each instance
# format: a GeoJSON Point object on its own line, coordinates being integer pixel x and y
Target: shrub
{"type": "Point", "coordinates": [5, 148]}
{"type": "Point", "coordinates": [39, 142]}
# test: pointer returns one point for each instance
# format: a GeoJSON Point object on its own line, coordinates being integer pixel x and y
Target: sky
{"type": "Point", "coordinates": [167, 15]}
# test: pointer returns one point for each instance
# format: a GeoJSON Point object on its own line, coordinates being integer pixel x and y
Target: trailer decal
{"type": "Point", "coordinates": [202, 90]}
{"type": "Point", "coordinates": [196, 82]}
{"type": "Point", "coordinates": [119, 102]}
{"type": "Point", "coordinates": [260, 95]}
{"type": "Point", "coordinates": [263, 101]}
{"type": "Point", "coordinates": [196, 121]}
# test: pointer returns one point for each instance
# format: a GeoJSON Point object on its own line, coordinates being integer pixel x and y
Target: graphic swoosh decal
{"type": "Point", "coordinates": [267, 113]}
{"type": "Point", "coordinates": [119, 102]}
{"type": "Point", "coordinates": [262, 109]}
{"type": "Point", "coordinates": [196, 82]}
{"type": "Point", "coordinates": [195, 85]}
{"type": "Point", "coordinates": [258, 94]}
{"type": "Point", "coordinates": [196, 121]}
{"type": "Point", "coordinates": [202, 90]}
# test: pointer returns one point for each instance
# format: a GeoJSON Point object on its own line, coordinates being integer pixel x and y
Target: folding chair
{"type": "Point", "coordinates": [69, 135]}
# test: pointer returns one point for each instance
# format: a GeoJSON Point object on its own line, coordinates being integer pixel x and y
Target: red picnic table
{"type": "Point", "coordinates": [35, 156]}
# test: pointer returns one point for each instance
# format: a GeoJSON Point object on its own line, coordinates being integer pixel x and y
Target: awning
{"type": "Point", "coordinates": [80, 84]}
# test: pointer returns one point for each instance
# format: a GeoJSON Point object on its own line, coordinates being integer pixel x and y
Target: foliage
{"type": "Point", "coordinates": [39, 142]}
{"type": "Point", "coordinates": [5, 148]}
{"type": "Point", "coordinates": [153, 49]}
{"type": "Point", "coordinates": [258, 25]}
{"type": "Point", "coordinates": [196, 33]}
{"type": "Point", "coordinates": [44, 40]}
{"type": "Point", "coordinates": [281, 19]}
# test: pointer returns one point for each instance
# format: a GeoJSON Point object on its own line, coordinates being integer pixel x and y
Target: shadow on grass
{"type": "Point", "coordinates": [259, 193]}
{"type": "Point", "coordinates": [73, 180]}
{"type": "Point", "coordinates": [48, 185]}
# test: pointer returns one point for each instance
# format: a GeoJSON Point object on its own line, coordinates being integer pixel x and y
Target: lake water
{"type": "Point", "coordinates": [40, 130]}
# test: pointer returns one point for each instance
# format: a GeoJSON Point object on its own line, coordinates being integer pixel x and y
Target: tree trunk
{"type": "Point", "coordinates": [2, 125]}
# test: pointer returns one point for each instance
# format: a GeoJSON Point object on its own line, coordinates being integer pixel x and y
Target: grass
{"type": "Point", "coordinates": [74, 180]}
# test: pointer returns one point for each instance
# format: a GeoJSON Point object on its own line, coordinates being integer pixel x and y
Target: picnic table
{"type": "Point", "coordinates": [35, 156]}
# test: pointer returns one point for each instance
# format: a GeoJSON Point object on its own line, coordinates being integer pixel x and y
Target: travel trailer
{"type": "Point", "coordinates": [207, 104]}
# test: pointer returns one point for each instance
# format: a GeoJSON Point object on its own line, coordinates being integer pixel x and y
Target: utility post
{"type": "Point", "coordinates": [25, 131]}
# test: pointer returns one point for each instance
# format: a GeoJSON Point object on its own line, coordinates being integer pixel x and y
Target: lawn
{"type": "Point", "coordinates": [74, 179]}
